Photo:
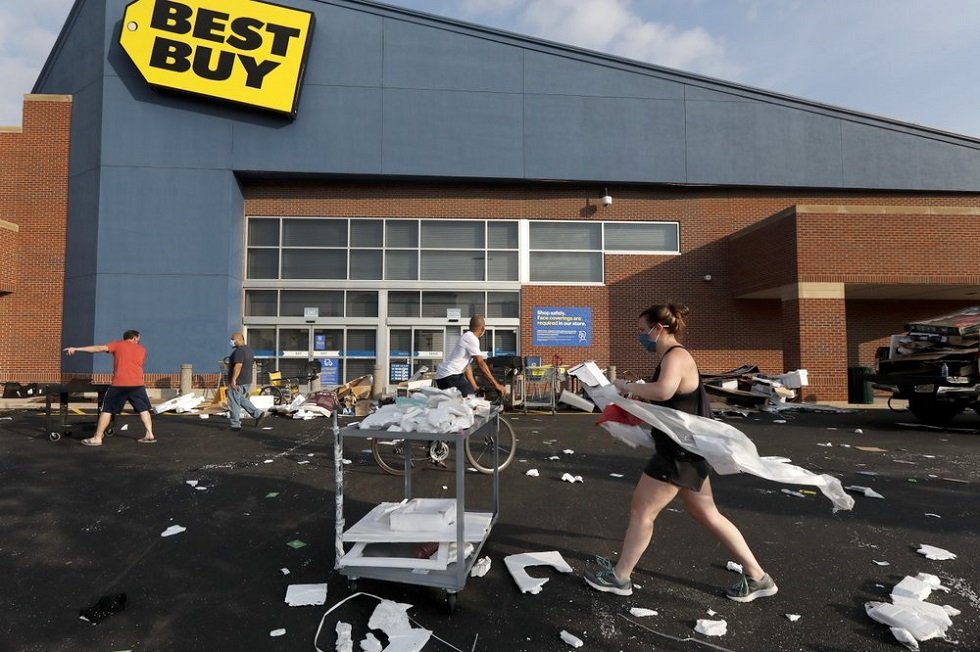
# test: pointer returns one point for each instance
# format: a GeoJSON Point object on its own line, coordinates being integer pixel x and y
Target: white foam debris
{"type": "Point", "coordinates": [867, 491]}
{"type": "Point", "coordinates": [734, 567]}
{"type": "Point", "coordinates": [641, 612]}
{"type": "Point", "coordinates": [793, 617]}
{"type": "Point", "coordinates": [277, 632]}
{"type": "Point", "coordinates": [532, 473]}
{"type": "Point", "coordinates": [934, 553]}
{"type": "Point", "coordinates": [571, 639]}
{"type": "Point", "coordinates": [517, 565]}
{"type": "Point", "coordinates": [172, 530]}
{"type": "Point", "coordinates": [481, 567]}
{"type": "Point", "coordinates": [711, 627]}
{"type": "Point", "coordinates": [568, 477]}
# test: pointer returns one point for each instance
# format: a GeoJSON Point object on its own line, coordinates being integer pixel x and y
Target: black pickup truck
{"type": "Point", "coordinates": [934, 365]}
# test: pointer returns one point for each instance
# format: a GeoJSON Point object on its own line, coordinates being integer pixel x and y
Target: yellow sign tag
{"type": "Point", "coordinates": [243, 51]}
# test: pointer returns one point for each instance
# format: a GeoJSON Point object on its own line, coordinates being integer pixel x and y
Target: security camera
{"type": "Point", "coordinates": [607, 200]}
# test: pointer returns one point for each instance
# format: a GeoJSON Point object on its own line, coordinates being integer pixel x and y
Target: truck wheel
{"type": "Point", "coordinates": [933, 412]}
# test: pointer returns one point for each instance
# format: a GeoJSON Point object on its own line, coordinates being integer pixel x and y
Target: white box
{"type": "Point", "coordinates": [794, 379]}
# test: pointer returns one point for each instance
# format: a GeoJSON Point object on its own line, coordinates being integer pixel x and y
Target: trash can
{"type": "Point", "coordinates": [858, 386]}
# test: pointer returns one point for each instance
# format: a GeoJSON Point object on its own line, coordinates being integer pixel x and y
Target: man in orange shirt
{"type": "Point", "coordinates": [127, 385]}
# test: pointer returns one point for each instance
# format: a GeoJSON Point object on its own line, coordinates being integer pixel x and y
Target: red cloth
{"type": "Point", "coordinates": [127, 363]}
{"type": "Point", "coordinates": [613, 412]}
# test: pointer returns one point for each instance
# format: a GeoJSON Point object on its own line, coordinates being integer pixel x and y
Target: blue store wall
{"type": "Point", "coordinates": [155, 232]}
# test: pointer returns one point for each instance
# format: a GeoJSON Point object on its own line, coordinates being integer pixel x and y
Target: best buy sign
{"type": "Point", "coordinates": [243, 51]}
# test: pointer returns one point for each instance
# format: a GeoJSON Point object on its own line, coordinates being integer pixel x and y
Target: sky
{"type": "Point", "coordinates": [909, 60]}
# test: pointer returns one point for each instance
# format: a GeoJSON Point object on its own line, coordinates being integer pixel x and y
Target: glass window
{"type": "Point", "coordinates": [402, 233]}
{"type": "Point", "coordinates": [627, 236]}
{"type": "Point", "coordinates": [567, 267]}
{"type": "Point", "coordinates": [263, 233]}
{"type": "Point", "coordinates": [502, 266]}
{"type": "Point", "coordinates": [366, 264]}
{"type": "Point", "coordinates": [403, 304]}
{"type": "Point", "coordinates": [502, 235]}
{"type": "Point", "coordinates": [262, 263]}
{"type": "Point", "coordinates": [262, 341]}
{"type": "Point", "coordinates": [357, 367]}
{"type": "Point", "coordinates": [330, 303]}
{"type": "Point", "coordinates": [314, 233]}
{"type": "Point", "coordinates": [294, 342]}
{"type": "Point", "coordinates": [566, 235]}
{"type": "Point", "coordinates": [314, 263]}
{"type": "Point", "coordinates": [504, 304]}
{"type": "Point", "coordinates": [328, 340]}
{"type": "Point", "coordinates": [367, 233]}
{"type": "Point", "coordinates": [504, 342]}
{"type": "Point", "coordinates": [361, 342]}
{"type": "Point", "coordinates": [400, 342]}
{"type": "Point", "coordinates": [453, 234]}
{"type": "Point", "coordinates": [362, 304]}
{"type": "Point", "coordinates": [434, 304]}
{"type": "Point", "coordinates": [261, 303]}
{"type": "Point", "coordinates": [430, 344]}
{"type": "Point", "coordinates": [401, 265]}
{"type": "Point", "coordinates": [452, 266]}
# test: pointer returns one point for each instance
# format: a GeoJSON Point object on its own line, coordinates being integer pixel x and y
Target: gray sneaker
{"type": "Point", "coordinates": [259, 418]}
{"type": "Point", "coordinates": [747, 590]}
{"type": "Point", "coordinates": [605, 580]}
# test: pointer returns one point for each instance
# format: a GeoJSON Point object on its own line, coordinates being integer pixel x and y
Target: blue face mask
{"type": "Point", "coordinates": [648, 344]}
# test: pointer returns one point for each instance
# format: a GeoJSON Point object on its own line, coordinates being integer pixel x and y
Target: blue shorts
{"type": "Point", "coordinates": [115, 399]}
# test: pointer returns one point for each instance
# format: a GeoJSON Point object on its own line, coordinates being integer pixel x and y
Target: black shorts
{"type": "Point", "coordinates": [673, 464]}
{"type": "Point", "coordinates": [459, 381]}
{"type": "Point", "coordinates": [115, 399]}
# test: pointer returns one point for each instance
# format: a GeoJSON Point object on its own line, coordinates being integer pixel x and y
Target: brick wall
{"type": "Point", "coordinates": [9, 234]}
{"type": "Point", "coordinates": [34, 196]}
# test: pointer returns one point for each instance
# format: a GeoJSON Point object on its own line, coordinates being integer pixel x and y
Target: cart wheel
{"type": "Point", "coordinates": [352, 584]}
{"type": "Point", "coordinates": [110, 431]}
{"type": "Point", "coordinates": [54, 436]}
{"type": "Point", "coordinates": [451, 602]}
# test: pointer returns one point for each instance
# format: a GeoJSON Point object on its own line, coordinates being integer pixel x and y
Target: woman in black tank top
{"type": "Point", "coordinates": [673, 470]}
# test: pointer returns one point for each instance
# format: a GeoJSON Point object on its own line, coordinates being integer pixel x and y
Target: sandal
{"type": "Point", "coordinates": [144, 440]}
{"type": "Point", "coordinates": [90, 442]}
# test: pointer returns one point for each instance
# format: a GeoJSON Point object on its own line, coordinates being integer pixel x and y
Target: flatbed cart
{"type": "Point", "coordinates": [468, 526]}
{"type": "Point", "coordinates": [63, 393]}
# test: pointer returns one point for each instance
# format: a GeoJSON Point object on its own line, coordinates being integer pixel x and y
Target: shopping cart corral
{"type": "Point", "coordinates": [63, 393]}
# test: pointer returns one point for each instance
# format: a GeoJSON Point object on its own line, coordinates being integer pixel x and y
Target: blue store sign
{"type": "Point", "coordinates": [562, 326]}
{"type": "Point", "coordinates": [330, 371]}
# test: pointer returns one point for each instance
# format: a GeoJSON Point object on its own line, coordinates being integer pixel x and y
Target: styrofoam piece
{"type": "Point", "coordinates": [936, 613]}
{"type": "Point", "coordinates": [867, 491]}
{"type": "Point", "coordinates": [568, 477]}
{"type": "Point", "coordinates": [263, 401]}
{"type": "Point", "coordinates": [534, 473]}
{"type": "Point", "coordinates": [371, 644]}
{"type": "Point", "coordinates": [481, 567]}
{"type": "Point", "coordinates": [392, 619]}
{"type": "Point", "coordinates": [360, 555]}
{"type": "Point", "coordinates": [734, 567]}
{"type": "Point", "coordinates": [932, 552]}
{"type": "Point", "coordinates": [905, 637]}
{"type": "Point", "coordinates": [517, 565]}
{"type": "Point", "coordinates": [375, 527]}
{"type": "Point", "coordinates": [905, 617]}
{"type": "Point", "coordinates": [305, 595]}
{"type": "Point", "coordinates": [571, 639]}
{"type": "Point", "coordinates": [276, 633]}
{"type": "Point", "coordinates": [711, 627]}
{"type": "Point", "coordinates": [172, 404]}
{"type": "Point", "coordinates": [589, 373]}
{"type": "Point", "coordinates": [793, 617]}
{"type": "Point", "coordinates": [794, 379]}
{"type": "Point", "coordinates": [172, 530]}
{"type": "Point", "coordinates": [911, 587]}
{"type": "Point", "coordinates": [421, 514]}
{"type": "Point", "coordinates": [642, 612]}
{"type": "Point", "coordinates": [576, 401]}
{"type": "Point", "coordinates": [345, 640]}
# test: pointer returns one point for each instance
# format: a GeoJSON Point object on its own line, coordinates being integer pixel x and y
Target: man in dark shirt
{"type": "Point", "coordinates": [239, 380]}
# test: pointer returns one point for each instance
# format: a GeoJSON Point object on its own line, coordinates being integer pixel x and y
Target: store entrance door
{"type": "Point", "coordinates": [419, 349]}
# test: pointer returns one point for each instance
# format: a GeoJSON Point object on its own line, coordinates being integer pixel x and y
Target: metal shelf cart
{"type": "Point", "coordinates": [472, 527]}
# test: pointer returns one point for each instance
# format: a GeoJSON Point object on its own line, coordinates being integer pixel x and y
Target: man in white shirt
{"type": "Point", "coordinates": [455, 371]}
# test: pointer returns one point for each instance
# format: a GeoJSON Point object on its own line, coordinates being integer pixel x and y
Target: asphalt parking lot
{"type": "Point", "coordinates": [81, 523]}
